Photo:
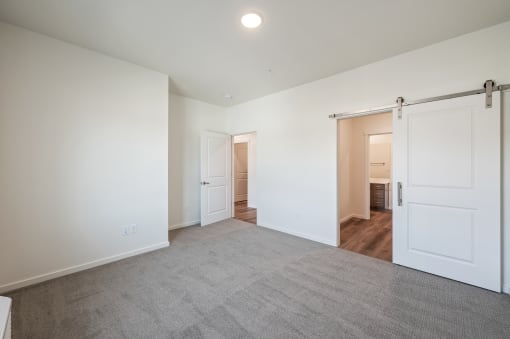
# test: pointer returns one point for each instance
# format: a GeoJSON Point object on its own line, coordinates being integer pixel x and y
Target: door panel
{"type": "Point", "coordinates": [215, 152]}
{"type": "Point", "coordinates": [427, 221]}
{"type": "Point", "coordinates": [241, 171]}
{"type": "Point", "coordinates": [216, 199]}
{"type": "Point", "coordinates": [448, 147]}
{"type": "Point", "coordinates": [447, 157]}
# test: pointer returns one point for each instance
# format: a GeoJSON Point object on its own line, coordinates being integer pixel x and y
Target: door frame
{"type": "Point", "coordinates": [366, 146]}
{"type": "Point", "coordinates": [233, 209]}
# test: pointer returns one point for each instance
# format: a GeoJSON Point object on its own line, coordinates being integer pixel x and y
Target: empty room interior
{"type": "Point", "coordinates": [254, 169]}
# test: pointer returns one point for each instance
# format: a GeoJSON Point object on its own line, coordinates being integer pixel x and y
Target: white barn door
{"type": "Point", "coordinates": [216, 177]}
{"type": "Point", "coordinates": [447, 162]}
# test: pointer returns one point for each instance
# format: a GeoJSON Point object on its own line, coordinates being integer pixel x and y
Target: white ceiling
{"type": "Point", "coordinates": [201, 45]}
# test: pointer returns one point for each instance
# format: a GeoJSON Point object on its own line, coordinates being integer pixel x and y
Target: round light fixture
{"type": "Point", "coordinates": [251, 20]}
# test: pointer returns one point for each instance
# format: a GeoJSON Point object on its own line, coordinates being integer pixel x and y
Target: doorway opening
{"type": "Point", "coordinates": [365, 184]}
{"type": "Point", "coordinates": [244, 177]}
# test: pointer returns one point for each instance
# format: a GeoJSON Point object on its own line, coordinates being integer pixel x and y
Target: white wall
{"type": "Point", "coordinates": [344, 165]}
{"type": "Point", "coordinates": [381, 139]}
{"type": "Point", "coordinates": [381, 152]}
{"type": "Point", "coordinates": [251, 139]}
{"type": "Point", "coordinates": [380, 160]}
{"type": "Point", "coordinates": [296, 163]}
{"type": "Point", "coordinates": [188, 118]}
{"type": "Point", "coordinates": [83, 152]}
{"type": "Point", "coordinates": [297, 142]}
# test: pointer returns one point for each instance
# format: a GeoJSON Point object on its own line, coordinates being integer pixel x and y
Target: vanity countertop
{"type": "Point", "coordinates": [380, 180]}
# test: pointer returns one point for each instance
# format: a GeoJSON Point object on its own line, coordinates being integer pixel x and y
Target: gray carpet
{"type": "Point", "coordinates": [235, 280]}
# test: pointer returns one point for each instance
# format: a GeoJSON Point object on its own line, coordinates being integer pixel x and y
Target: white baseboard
{"type": "Point", "coordinates": [77, 268]}
{"type": "Point", "coordinates": [299, 234]}
{"type": "Point", "coordinates": [185, 224]}
{"type": "Point", "coordinates": [349, 217]}
{"type": "Point", "coordinates": [506, 288]}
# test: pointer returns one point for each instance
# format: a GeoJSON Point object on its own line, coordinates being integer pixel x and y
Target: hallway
{"type": "Point", "coordinates": [245, 213]}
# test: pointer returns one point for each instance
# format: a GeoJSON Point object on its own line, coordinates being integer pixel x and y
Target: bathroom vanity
{"type": "Point", "coordinates": [380, 195]}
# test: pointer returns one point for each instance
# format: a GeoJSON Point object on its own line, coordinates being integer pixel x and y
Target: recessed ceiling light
{"type": "Point", "coordinates": [251, 20]}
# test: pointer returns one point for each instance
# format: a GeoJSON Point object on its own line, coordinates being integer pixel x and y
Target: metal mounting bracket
{"type": "Point", "coordinates": [400, 101]}
{"type": "Point", "coordinates": [489, 87]}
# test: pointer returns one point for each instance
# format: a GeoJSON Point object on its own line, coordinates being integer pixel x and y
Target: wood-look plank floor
{"type": "Point", "coordinates": [369, 237]}
{"type": "Point", "coordinates": [245, 213]}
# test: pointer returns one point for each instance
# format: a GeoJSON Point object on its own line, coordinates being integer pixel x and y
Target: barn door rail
{"type": "Point", "coordinates": [488, 88]}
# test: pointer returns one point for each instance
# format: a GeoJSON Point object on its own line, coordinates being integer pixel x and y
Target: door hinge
{"type": "Point", "coordinates": [400, 101]}
{"type": "Point", "coordinates": [489, 87]}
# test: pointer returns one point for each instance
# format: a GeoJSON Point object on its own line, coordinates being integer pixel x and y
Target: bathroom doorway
{"type": "Point", "coordinates": [365, 184]}
{"type": "Point", "coordinates": [244, 177]}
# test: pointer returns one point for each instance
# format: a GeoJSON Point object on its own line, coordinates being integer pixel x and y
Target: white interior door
{"type": "Point", "coordinates": [216, 177]}
{"type": "Point", "coordinates": [241, 171]}
{"type": "Point", "coordinates": [447, 158]}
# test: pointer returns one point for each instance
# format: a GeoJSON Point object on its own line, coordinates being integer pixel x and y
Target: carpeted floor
{"type": "Point", "coordinates": [235, 280]}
